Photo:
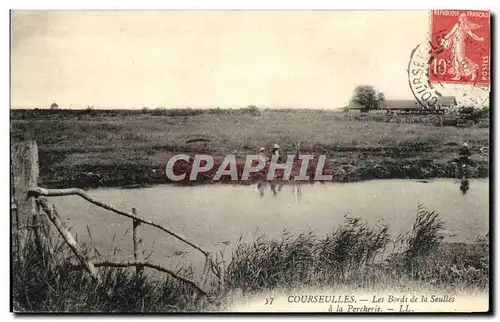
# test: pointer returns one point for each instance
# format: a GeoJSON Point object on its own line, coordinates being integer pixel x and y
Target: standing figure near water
{"type": "Point", "coordinates": [276, 150]}
{"type": "Point", "coordinates": [279, 186]}
{"type": "Point", "coordinates": [261, 185]}
{"type": "Point", "coordinates": [262, 154]}
{"type": "Point", "coordinates": [464, 153]}
{"type": "Point", "coordinates": [464, 159]}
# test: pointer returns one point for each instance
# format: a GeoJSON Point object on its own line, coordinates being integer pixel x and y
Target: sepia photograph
{"type": "Point", "coordinates": [215, 161]}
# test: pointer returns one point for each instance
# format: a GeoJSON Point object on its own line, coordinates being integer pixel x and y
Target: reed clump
{"type": "Point", "coordinates": [361, 256]}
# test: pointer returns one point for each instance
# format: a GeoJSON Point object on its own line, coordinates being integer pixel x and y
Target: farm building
{"type": "Point", "coordinates": [444, 103]}
{"type": "Point", "coordinates": [447, 102]}
{"type": "Point", "coordinates": [355, 107]}
{"type": "Point", "coordinates": [401, 105]}
{"type": "Point", "coordinates": [413, 107]}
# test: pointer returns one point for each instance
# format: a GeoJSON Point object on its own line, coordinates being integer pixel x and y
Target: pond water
{"type": "Point", "coordinates": [216, 216]}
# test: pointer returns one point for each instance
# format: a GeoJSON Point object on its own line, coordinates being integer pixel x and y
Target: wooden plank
{"type": "Point", "coordinates": [204, 277]}
{"type": "Point", "coordinates": [206, 270]}
{"type": "Point", "coordinates": [14, 214]}
{"type": "Point", "coordinates": [25, 172]}
{"type": "Point", "coordinates": [221, 274]}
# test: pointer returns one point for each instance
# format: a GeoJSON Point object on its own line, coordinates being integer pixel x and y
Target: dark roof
{"type": "Point", "coordinates": [411, 104]}
{"type": "Point", "coordinates": [447, 100]}
{"type": "Point", "coordinates": [355, 105]}
{"type": "Point", "coordinates": [407, 104]}
{"type": "Point", "coordinates": [402, 104]}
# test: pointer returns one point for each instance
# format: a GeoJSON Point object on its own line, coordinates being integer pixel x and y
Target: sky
{"type": "Point", "coordinates": [276, 59]}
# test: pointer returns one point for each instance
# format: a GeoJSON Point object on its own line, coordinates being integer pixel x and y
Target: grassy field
{"type": "Point", "coordinates": [124, 146]}
{"type": "Point", "coordinates": [354, 256]}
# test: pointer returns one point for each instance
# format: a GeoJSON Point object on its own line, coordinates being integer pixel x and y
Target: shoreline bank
{"type": "Point", "coordinates": [142, 175]}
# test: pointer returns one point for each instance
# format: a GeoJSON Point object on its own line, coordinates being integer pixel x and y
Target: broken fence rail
{"type": "Point", "coordinates": [36, 192]}
{"type": "Point", "coordinates": [103, 263]}
{"type": "Point", "coordinates": [39, 193]}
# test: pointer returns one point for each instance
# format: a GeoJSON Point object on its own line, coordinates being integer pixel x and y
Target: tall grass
{"type": "Point", "coordinates": [423, 240]}
{"type": "Point", "coordinates": [44, 282]}
{"type": "Point", "coordinates": [349, 249]}
{"type": "Point", "coordinates": [358, 255]}
{"type": "Point", "coordinates": [355, 255]}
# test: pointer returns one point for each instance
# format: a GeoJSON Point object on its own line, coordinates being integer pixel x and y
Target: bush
{"type": "Point", "coordinates": [251, 109]}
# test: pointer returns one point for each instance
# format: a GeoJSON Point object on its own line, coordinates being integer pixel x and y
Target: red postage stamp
{"type": "Point", "coordinates": [460, 47]}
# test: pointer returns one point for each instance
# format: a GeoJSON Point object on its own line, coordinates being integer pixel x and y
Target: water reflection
{"type": "Point", "coordinates": [233, 211]}
{"type": "Point", "coordinates": [464, 186]}
{"type": "Point", "coordinates": [276, 188]}
{"type": "Point", "coordinates": [464, 182]}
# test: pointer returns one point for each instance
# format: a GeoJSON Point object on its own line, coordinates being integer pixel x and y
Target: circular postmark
{"type": "Point", "coordinates": [418, 77]}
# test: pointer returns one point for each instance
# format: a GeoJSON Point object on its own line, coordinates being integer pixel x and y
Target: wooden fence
{"type": "Point", "coordinates": [30, 208]}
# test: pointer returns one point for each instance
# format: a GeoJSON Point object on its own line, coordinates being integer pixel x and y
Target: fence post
{"type": "Point", "coordinates": [137, 242]}
{"type": "Point", "coordinates": [35, 225]}
{"type": "Point", "coordinates": [14, 218]}
{"type": "Point", "coordinates": [25, 172]}
{"type": "Point", "coordinates": [206, 270]}
{"type": "Point", "coordinates": [221, 275]}
{"type": "Point", "coordinates": [204, 277]}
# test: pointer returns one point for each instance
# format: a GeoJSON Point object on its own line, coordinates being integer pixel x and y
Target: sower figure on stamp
{"type": "Point", "coordinates": [461, 65]}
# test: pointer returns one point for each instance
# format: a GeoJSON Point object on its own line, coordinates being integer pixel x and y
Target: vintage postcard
{"type": "Point", "coordinates": [250, 161]}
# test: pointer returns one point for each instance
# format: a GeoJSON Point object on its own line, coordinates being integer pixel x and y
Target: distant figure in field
{"type": "Point", "coordinates": [464, 159]}
{"type": "Point", "coordinates": [276, 187]}
{"type": "Point", "coordinates": [464, 152]}
{"type": "Point", "coordinates": [262, 154]}
{"type": "Point", "coordinates": [464, 155]}
{"type": "Point", "coordinates": [261, 185]}
{"type": "Point", "coordinates": [276, 150]}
